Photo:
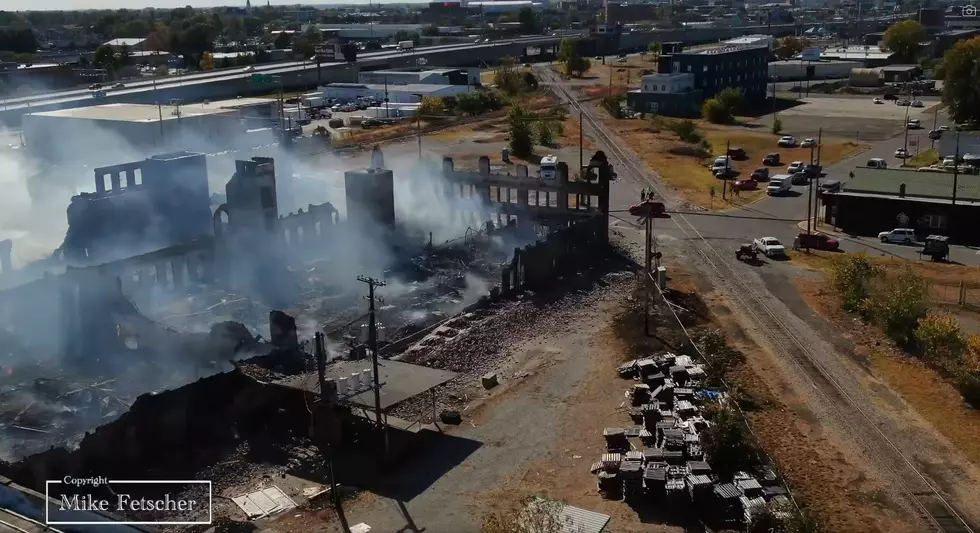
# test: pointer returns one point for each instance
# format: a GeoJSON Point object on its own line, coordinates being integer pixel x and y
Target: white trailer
{"type": "Point", "coordinates": [406, 45]}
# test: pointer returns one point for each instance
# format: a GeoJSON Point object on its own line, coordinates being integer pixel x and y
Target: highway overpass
{"type": "Point", "coordinates": [300, 75]}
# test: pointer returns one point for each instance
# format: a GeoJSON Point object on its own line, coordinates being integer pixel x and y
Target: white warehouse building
{"type": "Point", "coordinates": [406, 94]}
{"type": "Point", "coordinates": [796, 69]}
{"type": "Point", "coordinates": [100, 134]}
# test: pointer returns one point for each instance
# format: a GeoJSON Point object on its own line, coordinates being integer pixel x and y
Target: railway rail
{"type": "Point", "coordinates": [932, 506]}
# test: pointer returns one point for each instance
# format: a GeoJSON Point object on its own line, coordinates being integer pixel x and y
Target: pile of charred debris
{"type": "Point", "coordinates": [659, 459]}
{"type": "Point", "coordinates": [49, 401]}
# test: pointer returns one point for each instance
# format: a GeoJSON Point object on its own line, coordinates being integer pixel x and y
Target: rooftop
{"type": "Point", "coordinates": [151, 113]}
{"type": "Point", "coordinates": [728, 49]}
{"type": "Point", "coordinates": [856, 52]}
{"type": "Point", "coordinates": [929, 185]}
{"type": "Point", "coordinates": [392, 87]}
{"type": "Point", "coordinates": [399, 381]}
{"type": "Point", "coordinates": [127, 41]}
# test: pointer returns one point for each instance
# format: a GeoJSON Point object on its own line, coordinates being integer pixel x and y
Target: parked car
{"type": "Point", "coordinates": [943, 128]}
{"type": "Point", "coordinates": [800, 178]}
{"type": "Point", "coordinates": [935, 135]}
{"type": "Point", "coordinates": [786, 141]}
{"type": "Point", "coordinates": [721, 162]}
{"type": "Point", "coordinates": [817, 241]}
{"type": "Point", "coordinates": [769, 246]}
{"type": "Point", "coordinates": [914, 124]}
{"type": "Point", "coordinates": [918, 103]}
{"type": "Point", "coordinates": [903, 102]}
{"type": "Point", "coordinates": [901, 153]}
{"type": "Point", "coordinates": [746, 185]}
{"type": "Point", "coordinates": [807, 143]}
{"type": "Point", "coordinates": [760, 174]}
{"type": "Point", "coordinates": [949, 161]}
{"type": "Point", "coordinates": [876, 162]}
{"type": "Point", "coordinates": [725, 173]}
{"type": "Point", "coordinates": [829, 186]}
{"type": "Point", "coordinates": [898, 235]}
{"type": "Point", "coordinates": [771, 159]}
{"type": "Point", "coordinates": [95, 86]}
{"type": "Point", "coordinates": [794, 167]}
{"type": "Point", "coordinates": [878, 100]}
{"type": "Point", "coordinates": [813, 171]}
{"type": "Point", "coordinates": [737, 153]}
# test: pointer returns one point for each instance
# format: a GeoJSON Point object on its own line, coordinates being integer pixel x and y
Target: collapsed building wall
{"type": "Point", "coordinates": [163, 200]}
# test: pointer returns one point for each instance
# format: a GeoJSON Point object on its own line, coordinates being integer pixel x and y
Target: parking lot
{"type": "Point", "coordinates": [854, 118]}
{"type": "Point", "coordinates": [855, 108]}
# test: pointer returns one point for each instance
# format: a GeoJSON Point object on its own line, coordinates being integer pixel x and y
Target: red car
{"type": "Point", "coordinates": [818, 241]}
{"type": "Point", "coordinates": [648, 209]}
{"type": "Point", "coordinates": [746, 185]}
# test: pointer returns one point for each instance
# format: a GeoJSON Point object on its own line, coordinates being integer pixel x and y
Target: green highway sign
{"type": "Point", "coordinates": [261, 78]}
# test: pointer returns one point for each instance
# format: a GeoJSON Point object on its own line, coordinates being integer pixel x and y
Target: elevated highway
{"type": "Point", "coordinates": [299, 75]}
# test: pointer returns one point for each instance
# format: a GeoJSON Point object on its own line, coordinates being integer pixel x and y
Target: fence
{"type": "Point", "coordinates": [963, 294]}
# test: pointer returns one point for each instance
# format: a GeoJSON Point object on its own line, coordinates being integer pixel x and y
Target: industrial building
{"type": "Point", "coordinates": [98, 134]}
{"type": "Point", "coordinates": [869, 55]}
{"type": "Point", "coordinates": [405, 94]}
{"type": "Point", "coordinates": [798, 69]}
{"type": "Point", "coordinates": [877, 200]}
{"type": "Point", "coordinates": [685, 79]}
{"type": "Point", "coordinates": [146, 205]}
{"type": "Point", "coordinates": [435, 76]}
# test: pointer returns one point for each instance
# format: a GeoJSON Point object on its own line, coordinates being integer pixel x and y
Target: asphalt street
{"type": "Point", "coordinates": [780, 217]}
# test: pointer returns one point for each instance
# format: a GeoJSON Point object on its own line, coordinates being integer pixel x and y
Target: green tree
{"type": "Point", "coordinates": [903, 38]}
{"type": "Point", "coordinates": [577, 65]}
{"type": "Point", "coordinates": [528, 20]}
{"type": "Point", "coordinates": [726, 442]}
{"type": "Point", "coordinates": [431, 106]}
{"type": "Point", "coordinates": [940, 338]}
{"type": "Point", "coordinates": [732, 98]}
{"type": "Point", "coordinates": [304, 45]}
{"type": "Point", "coordinates": [960, 70]}
{"type": "Point", "coordinates": [721, 357]}
{"type": "Point", "coordinates": [715, 112]}
{"type": "Point", "coordinates": [507, 78]}
{"type": "Point", "coordinates": [655, 48]}
{"type": "Point", "coordinates": [282, 41]}
{"type": "Point", "coordinates": [521, 138]}
{"type": "Point", "coordinates": [788, 47]}
{"type": "Point", "coordinates": [567, 50]}
{"type": "Point", "coordinates": [104, 57]}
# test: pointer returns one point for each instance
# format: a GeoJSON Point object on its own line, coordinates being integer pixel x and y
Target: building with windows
{"type": "Point", "coordinates": [685, 79]}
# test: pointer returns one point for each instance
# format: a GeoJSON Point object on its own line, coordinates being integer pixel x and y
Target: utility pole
{"type": "Point", "coordinates": [373, 346]}
{"type": "Point", "coordinates": [724, 179]}
{"type": "Point", "coordinates": [816, 220]}
{"type": "Point", "coordinates": [581, 142]}
{"type": "Point", "coordinates": [956, 165]}
{"type": "Point", "coordinates": [647, 274]}
{"type": "Point", "coordinates": [906, 145]}
{"type": "Point", "coordinates": [935, 119]}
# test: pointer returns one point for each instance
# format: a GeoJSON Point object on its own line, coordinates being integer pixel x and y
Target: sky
{"type": "Point", "coordinates": [136, 4]}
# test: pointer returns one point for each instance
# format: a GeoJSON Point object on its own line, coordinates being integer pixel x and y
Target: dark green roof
{"type": "Point", "coordinates": [917, 184]}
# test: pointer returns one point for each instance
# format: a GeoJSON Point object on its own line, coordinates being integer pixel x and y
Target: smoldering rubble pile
{"type": "Point", "coordinates": [659, 459]}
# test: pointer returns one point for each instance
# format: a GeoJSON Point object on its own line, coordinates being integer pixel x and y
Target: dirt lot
{"type": "Point", "coordinates": [689, 174]}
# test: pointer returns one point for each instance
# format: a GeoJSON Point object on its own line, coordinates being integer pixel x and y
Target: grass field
{"type": "Point", "coordinates": [689, 175]}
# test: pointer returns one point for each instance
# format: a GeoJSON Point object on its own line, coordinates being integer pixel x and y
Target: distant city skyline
{"type": "Point", "coordinates": [76, 5]}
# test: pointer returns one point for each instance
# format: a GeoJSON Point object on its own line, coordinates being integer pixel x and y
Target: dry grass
{"type": "Point", "coordinates": [938, 273]}
{"type": "Point", "coordinates": [690, 176]}
{"type": "Point", "coordinates": [923, 388]}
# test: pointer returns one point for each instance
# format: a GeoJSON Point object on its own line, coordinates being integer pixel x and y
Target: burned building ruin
{"type": "Point", "coordinates": [146, 205]}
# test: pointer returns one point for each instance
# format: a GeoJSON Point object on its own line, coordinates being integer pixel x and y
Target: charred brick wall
{"type": "Point", "coordinates": [538, 266]}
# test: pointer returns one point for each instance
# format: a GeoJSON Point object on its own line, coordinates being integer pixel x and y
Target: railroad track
{"type": "Point", "coordinates": [930, 504]}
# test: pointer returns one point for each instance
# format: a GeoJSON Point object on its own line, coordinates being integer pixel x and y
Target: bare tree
{"type": "Point", "coordinates": [530, 514]}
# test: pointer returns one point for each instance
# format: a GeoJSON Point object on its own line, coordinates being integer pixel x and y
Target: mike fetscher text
{"type": "Point", "coordinates": [127, 503]}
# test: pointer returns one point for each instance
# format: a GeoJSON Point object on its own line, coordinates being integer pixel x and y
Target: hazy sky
{"type": "Point", "coordinates": [133, 4]}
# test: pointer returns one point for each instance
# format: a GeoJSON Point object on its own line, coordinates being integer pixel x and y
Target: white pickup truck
{"type": "Point", "coordinates": [769, 246]}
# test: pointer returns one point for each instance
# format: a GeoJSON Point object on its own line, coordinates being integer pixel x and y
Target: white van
{"type": "Point", "coordinates": [779, 184]}
{"type": "Point", "coordinates": [877, 162]}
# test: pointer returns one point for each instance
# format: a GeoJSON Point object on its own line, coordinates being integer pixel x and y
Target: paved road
{"type": "Point", "coordinates": [777, 216]}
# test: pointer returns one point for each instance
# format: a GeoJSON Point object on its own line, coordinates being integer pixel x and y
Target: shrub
{"type": "Point", "coordinates": [431, 106]}
{"type": "Point", "coordinates": [721, 357]}
{"type": "Point", "coordinates": [969, 386]}
{"type": "Point", "coordinates": [716, 112]}
{"type": "Point", "coordinates": [690, 151]}
{"type": "Point", "coordinates": [733, 99]}
{"type": "Point", "coordinates": [546, 136]}
{"type": "Point", "coordinates": [687, 131]}
{"type": "Point", "coordinates": [521, 140]}
{"type": "Point", "coordinates": [851, 278]}
{"type": "Point", "coordinates": [726, 442]}
{"type": "Point", "coordinates": [940, 338]}
{"type": "Point", "coordinates": [777, 125]}
{"type": "Point", "coordinates": [900, 304]}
